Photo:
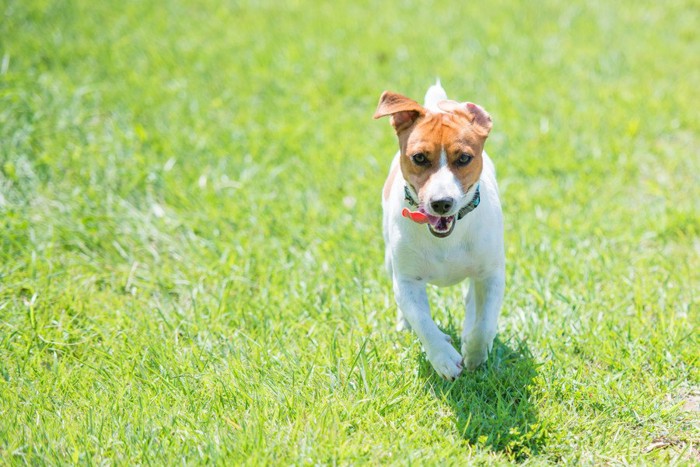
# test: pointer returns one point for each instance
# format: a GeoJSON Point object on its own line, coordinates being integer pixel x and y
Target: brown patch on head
{"type": "Point", "coordinates": [461, 132]}
{"type": "Point", "coordinates": [438, 132]}
{"type": "Point", "coordinates": [477, 116]}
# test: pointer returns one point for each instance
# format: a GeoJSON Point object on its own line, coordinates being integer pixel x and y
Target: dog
{"type": "Point", "coordinates": [442, 222]}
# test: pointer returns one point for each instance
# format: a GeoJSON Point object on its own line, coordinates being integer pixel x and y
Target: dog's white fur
{"type": "Point", "coordinates": [415, 258]}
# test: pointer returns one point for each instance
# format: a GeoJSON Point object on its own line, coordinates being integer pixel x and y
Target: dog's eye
{"type": "Point", "coordinates": [420, 159]}
{"type": "Point", "coordinates": [464, 159]}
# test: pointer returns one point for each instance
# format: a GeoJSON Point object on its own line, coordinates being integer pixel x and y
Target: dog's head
{"type": "Point", "coordinates": [441, 153]}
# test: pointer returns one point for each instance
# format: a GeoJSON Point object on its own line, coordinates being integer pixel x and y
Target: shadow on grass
{"type": "Point", "coordinates": [493, 405]}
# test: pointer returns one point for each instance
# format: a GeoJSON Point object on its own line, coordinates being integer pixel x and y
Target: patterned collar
{"type": "Point", "coordinates": [462, 212]}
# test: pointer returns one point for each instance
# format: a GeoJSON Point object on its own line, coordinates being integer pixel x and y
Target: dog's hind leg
{"type": "Point", "coordinates": [483, 305]}
{"type": "Point", "coordinates": [401, 322]}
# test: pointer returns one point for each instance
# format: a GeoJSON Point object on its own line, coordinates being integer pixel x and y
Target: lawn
{"type": "Point", "coordinates": [191, 259]}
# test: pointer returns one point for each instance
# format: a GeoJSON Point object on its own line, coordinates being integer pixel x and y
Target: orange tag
{"type": "Point", "coordinates": [415, 216]}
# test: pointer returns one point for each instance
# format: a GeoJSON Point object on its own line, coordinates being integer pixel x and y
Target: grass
{"type": "Point", "coordinates": [190, 245]}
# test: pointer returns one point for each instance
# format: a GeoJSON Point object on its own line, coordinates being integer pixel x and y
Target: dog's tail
{"type": "Point", "coordinates": [434, 95]}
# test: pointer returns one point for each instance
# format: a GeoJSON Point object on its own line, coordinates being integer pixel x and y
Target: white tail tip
{"type": "Point", "coordinates": [434, 95]}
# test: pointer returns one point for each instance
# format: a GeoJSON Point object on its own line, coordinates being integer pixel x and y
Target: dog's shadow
{"type": "Point", "coordinates": [494, 406]}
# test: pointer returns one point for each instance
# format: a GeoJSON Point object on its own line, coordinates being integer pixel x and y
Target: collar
{"type": "Point", "coordinates": [462, 212]}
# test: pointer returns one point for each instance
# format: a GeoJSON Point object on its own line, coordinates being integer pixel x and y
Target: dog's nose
{"type": "Point", "coordinates": [442, 206]}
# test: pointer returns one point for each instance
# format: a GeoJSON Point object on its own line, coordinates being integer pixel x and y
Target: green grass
{"type": "Point", "coordinates": [191, 263]}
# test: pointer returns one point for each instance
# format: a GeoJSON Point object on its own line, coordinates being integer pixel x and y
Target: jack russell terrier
{"type": "Point", "coordinates": [443, 222]}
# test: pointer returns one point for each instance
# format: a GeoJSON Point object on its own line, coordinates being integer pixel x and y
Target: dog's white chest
{"type": "Point", "coordinates": [447, 264]}
{"type": "Point", "coordinates": [448, 269]}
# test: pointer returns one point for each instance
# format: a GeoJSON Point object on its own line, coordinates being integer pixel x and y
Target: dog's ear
{"type": "Point", "coordinates": [479, 118]}
{"type": "Point", "coordinates": [404, 111]}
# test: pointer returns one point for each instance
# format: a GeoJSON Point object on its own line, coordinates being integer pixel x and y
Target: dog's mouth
{"type": "Point", "coordinates": [440, 226]}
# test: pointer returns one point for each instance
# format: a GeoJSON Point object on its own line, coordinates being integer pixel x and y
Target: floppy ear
{"type": "Point", "coordinates": [404, 111]}
{"type": "Point", "coordinates": [479, 118]}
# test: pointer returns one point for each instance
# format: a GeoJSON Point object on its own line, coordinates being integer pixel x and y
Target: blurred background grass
{"type": "Point", "coordinates": [191, 254]}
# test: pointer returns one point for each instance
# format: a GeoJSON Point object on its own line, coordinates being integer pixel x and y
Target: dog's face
{"type": "Point", "coordinates": [441, 153]}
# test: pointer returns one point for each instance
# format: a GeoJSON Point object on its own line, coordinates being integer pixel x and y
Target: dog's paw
{"type": "Point", "coordinates": [475, 353]}
{"type": "Point", "coordinates": [446, 361]}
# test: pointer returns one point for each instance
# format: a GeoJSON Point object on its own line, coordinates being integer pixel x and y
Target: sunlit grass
{"type": "Point", "coordinates": [191, 264]}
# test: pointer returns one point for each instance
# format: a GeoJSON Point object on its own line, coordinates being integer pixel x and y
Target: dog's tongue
{"type": "Point", "coordinates": [420, 217]}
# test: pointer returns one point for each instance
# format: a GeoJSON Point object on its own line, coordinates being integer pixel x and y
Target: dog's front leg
{"type": "Point", "coordinates": [412, 299]}
{"type": "Point", "coordinates": [483, 304]}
